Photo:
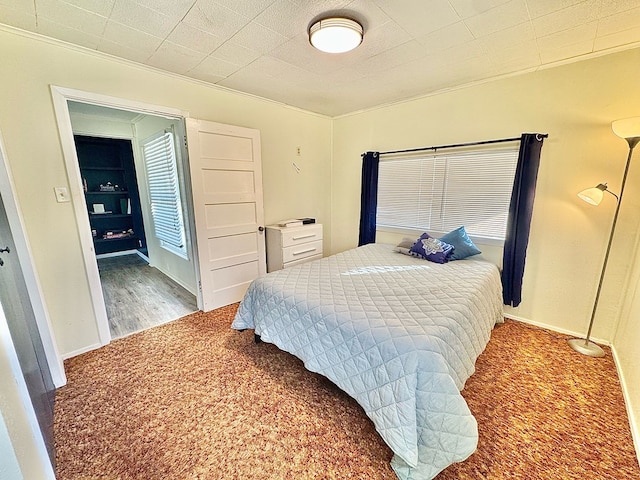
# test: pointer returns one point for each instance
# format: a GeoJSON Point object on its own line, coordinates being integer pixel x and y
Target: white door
{"type": "Point", "coordinates": [226, 183]}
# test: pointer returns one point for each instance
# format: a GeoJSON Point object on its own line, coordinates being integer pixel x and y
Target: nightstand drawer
{"type": "Point", "coordinates": [289, 246]}
{"type": "Point", "coordinates": [303, 250]}
{"type": "Point", "coordinates": [298, 235]}
{"type": "Point", "coordinates": [302, 260]}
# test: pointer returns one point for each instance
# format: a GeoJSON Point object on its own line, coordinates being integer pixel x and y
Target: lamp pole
{"type": "Point", "coordinates": [586, 346]}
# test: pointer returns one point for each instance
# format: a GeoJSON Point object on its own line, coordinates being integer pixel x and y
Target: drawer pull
{"type": "Point", "coordinates": [305, 251]}
{"type": "Point", "coordinates": [308, 235]}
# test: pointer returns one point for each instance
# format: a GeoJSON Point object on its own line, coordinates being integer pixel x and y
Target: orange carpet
{"type": "Point", "coordinates": [193, 399]}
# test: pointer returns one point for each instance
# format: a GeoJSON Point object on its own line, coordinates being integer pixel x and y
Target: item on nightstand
{"type": "Point", "coordinates": [292, 222]}
{"type": "Point", "coordinates": [307, 220]}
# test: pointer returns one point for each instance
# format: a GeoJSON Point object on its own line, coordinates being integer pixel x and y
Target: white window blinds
{"type": "Point", "coordinates": [438, 192]}
{"type": "Point", "coordinates": [164, 191]}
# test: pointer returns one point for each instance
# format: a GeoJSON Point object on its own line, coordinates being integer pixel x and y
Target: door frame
{"type": "Point", "coordinates": [25, 258]}
{"type": "Point", "coordinates": [60, 97]}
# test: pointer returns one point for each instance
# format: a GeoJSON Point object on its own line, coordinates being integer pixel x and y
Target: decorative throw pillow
{"type": "Point", "coordinates": [462, 244]}
{"type": "Point", "coordinates": [405, 245]}
{"type": "Point", "coordinates": [432, 249]}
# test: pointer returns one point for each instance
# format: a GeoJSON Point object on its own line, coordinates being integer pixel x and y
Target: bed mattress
{"type": "Point", "coordinates": [399, 334]}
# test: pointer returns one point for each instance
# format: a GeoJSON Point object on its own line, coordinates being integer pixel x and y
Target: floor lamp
{"type": "Point", "coordinates": [629, 129]}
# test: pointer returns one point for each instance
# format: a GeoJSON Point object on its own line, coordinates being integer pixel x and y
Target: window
{"type": "Point", "coordinates": [164, 192]}
{"type": "Point", "coordinates": [438, 192]}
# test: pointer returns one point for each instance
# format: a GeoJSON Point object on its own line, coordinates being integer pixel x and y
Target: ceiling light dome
{"type": "Point", "coordinates": [335, 34]}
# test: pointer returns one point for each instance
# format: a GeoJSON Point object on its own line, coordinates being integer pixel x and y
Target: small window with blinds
{"type": "Point", "coordinates": [164, 193]}
{"type": "Point", "coordinates": [439, 192]}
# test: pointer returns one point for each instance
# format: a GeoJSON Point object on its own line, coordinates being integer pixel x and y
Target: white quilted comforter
{"type": "Point", "coordinates": [400, 335]}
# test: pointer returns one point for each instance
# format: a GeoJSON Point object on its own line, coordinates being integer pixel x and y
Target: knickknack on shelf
{"type": "Point", "coordinates": [111, 194]}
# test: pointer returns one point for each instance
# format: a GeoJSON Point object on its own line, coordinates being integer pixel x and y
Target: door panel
{"type": "Point", "coordinates": [229, 284]}
{"type": "Point", "coordinates": [229, 247]}
{"type": "Point", "coordinates": [227, 219]}
{"type": "Point", "coordinates": [216, 181]}
{"type": "Point", "coordinates": [24, 333]}
{"type": "Point", "coordinates": [228, 146]}
{"type": "Point", "coordinates": [226, 215]}
{"type": "Point", "coordinates": [226, 179]}
{"type": "Point", "coordinates": [234, 276]}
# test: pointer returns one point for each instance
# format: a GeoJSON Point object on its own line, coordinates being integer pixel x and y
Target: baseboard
{"type": "Point", "coordinates": [116, 254]}
{"type": "Point", "coordinates": [633, 422]}
{"type": "Point", "coordinates": [553, 328]}
{"type": "Point", "coordinates": [142, 256]}
{"type": "Point", "coordinates": [75, 353]}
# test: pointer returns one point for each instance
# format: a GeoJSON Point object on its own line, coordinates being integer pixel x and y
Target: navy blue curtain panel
{"type": "Point", "coordinates": [369, 198]}
{"type": "Point", "coordinates": [519, 221]}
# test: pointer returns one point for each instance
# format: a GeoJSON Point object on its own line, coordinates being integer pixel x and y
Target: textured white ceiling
{"type": "Point", "coordinates": [410, 47]}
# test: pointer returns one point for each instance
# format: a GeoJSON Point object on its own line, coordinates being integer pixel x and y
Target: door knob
{"type": "Point", "coordinates": [261, 228]}
{"type": "Point", "coordinates": [5, 250]}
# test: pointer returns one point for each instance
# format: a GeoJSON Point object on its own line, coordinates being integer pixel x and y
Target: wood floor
{"type": "Point", "coordinates": [138, 296]}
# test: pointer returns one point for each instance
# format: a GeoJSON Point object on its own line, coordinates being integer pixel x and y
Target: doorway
{"type": "Point", "coordinates": [223, 189]}
{"type": "Point", "coordinates": [144, 283]}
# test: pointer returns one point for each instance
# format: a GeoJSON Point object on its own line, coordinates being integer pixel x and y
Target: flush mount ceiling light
{"type": "Point", "coordinates": [335, 34]}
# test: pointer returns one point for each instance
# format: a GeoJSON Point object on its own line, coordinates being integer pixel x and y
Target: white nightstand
{"type": "Point", "coordinates": [289, 246]}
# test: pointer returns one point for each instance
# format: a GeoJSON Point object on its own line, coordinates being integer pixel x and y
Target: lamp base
{"type": "Point", "coordinates": [586, 347]}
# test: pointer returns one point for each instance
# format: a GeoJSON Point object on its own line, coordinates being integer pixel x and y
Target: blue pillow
{"type": "Point", "coordinates": [463, 245]}
{"type": "Point", "coordinates": [431, 249]}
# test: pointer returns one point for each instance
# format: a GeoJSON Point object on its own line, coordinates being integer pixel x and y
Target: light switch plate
{"type": "Point", "coordinates": [62, 194]}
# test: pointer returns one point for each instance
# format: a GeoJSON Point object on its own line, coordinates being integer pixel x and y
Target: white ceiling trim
{"type": "Point", "coordinates": [261, 47]}
{"type": "Point", "coordinates": [222, 88]}
{"type": "Point", "coordinates": [558, 63]}
{"type": "Point", "coordinates": [130, 63]}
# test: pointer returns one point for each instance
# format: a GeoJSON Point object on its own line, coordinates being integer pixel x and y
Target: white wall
{"type": "Point", "coordinates": [99, 126]}
{"type": "Point", "coordinates": [30, 65]}
{"type": "Point", "coordinates": [575, 105]}
{"type": "Point", "coordinates": [174, 266]}
{"type": "Point", "coordinates": [625, 344]}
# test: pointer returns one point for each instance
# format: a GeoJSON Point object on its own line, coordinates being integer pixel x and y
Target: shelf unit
{"type": "Point", "coordinates": [104, 161]}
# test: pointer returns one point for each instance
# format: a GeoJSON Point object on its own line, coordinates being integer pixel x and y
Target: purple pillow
{"type": "Point", "coordinates": [432, 249]}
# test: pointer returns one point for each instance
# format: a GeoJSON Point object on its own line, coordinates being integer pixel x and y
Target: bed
{"type": "Point", "coordinates": [399, 334]}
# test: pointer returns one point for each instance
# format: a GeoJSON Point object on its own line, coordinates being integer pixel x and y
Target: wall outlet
{"type": "Point", "coordinates": [62, 194]}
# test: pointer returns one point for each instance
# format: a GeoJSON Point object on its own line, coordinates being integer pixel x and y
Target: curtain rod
{"type": "Point", "coordinates": [539, 136]}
